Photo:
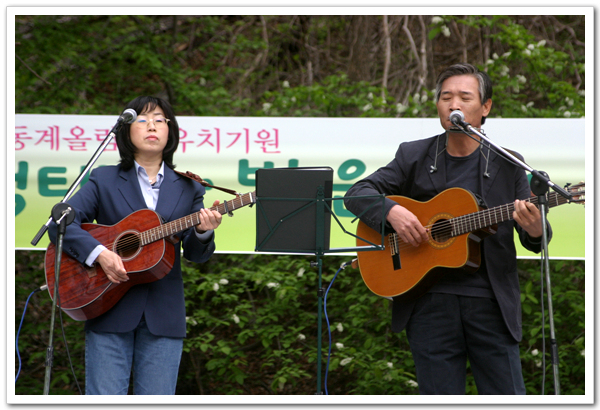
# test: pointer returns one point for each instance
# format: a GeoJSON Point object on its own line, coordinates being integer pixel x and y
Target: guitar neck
{"type": "Point", "coordinates": [488, 217]}
{"type": "Point", "coordinates": [179, 225]}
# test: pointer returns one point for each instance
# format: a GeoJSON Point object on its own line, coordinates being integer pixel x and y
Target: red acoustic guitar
{"type": "Point", "coordinates": [406, 272]}
{"type": "Point", "coordinates": [144, 244]}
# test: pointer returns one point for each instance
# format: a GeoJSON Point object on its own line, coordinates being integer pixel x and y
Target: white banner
{"type": "Point", "coordinates": [51, 150]}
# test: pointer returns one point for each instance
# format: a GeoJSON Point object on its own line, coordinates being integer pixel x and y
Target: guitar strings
{"type": "Point", "coordinates": [445, 229]}
{"type": "Point", "coordinates": [156, 233]}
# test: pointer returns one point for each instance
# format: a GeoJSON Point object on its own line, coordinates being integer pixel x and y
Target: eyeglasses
{"type": "Point", "coordinates": [158, 122]}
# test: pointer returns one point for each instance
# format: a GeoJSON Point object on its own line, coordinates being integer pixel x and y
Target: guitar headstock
{"type": "Point", "coordinates": [577, 192]}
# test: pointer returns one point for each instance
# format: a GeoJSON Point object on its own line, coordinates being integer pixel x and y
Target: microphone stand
{"type": "Point", "coordinates": [539, 186]}
{"type": "Point", "coordinates": [62, 214]}
{"type": "Point", "coordinates": [89, 165]}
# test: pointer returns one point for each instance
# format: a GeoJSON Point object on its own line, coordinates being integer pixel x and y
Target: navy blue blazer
{"type": "Point", "coordinates": [110, 195]}
{"type": "Point", "coordinates": [410, 174]}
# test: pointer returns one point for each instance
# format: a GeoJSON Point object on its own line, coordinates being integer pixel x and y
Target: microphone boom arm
{"type": "Point", "coordinates": [540, 176]}
{"type": "Point", "coordinates": [87, 168]}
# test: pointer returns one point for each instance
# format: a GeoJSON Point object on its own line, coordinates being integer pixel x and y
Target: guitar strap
{"type": "Point", "coordinates": [202, 182]}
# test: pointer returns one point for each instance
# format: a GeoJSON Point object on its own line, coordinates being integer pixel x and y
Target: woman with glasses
{"type": "Point", "coordinates": [142, 335]}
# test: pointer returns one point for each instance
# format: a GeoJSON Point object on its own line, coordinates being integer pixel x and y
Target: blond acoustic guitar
{"type": "Point", "coordinates": [456, 224]}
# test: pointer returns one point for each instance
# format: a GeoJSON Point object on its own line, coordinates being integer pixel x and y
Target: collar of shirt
{"type": "Point", "coordinates": [144, 179]}
{"type": "Point", "coordinates": [149, 192]}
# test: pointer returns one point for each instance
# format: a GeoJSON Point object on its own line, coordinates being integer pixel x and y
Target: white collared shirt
{"type": "Point", "coordinates": [149, 191]}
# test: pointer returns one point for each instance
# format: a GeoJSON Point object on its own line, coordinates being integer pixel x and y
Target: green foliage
{"type": "Point", "coordinates": [252, 329]}
{"type": "Point", "coordinates": [302, 66]}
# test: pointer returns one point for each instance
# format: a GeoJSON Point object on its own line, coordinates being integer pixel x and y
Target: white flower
{"type": "Point", "coordinates": [412, 383]}
{"type": "Point", "coordinates": [367, 107]}
{"type": "Point", "coordinates": [400, 108]}
{"type": "Point", "coordinates": [569, 101]}
{"type": "Point", "coordinates": [521, 79]}
{"type": "Point", "coordinates": [223, 281]}
{"type": "Point", "coordinates": [202, 81]}
{"type": "Point", "coordinates": [286, 84]}
{"type": "Point", "coordinates": [191, 320]}
{"type": "Point", "coordinates": [390, 365]}
{"type": "Point", "coordinates": [531, 47]}
{"type": "Point", "coordinates": [495, 56]}
{"type": "Point", "coordinates": [267, 106]}
{"type": "Point", "coordinates": [293, 99]}
{"type": "Point", "coordinates": [445, 31]}
{"type": "Point", "coordinates": [436, 20]}
{"type": "Point", "coordinates": [504, 71]}
{"type": "Point", "coordinates": [581, 93]}
{"type": "Point", "coordinates": [415, 111]}
{"type": "Point", "coordinates": [272, 285]}
{"type": "Point", "coordinates": [489, 62]}
{"type": "Point", "coordinates": [530, 104]}
{"type": "Point", "coordinates": [527, 52]}
{"type": "Point", "coordinates": [370, 96]}
{"type": "Point", "coordinates": [567, 114]}
{"type": "Point", "coordinates": [301, 272]}
{"type": "Point", "coordinates": [538, 363]}
{"type": "Point", "coordinates": [523, 108]}
{"type": "Point", "coordinates": [582, 352]}
{"type": "Point", "coordinates": [339, 327]}
{"type": "Point", "coordinates": [535, 352]}
{"type": "Point", "coordinates": [301, 336]}
{"type": "Point", "coordinates": [235, 318]}
{"type": "Point", "coordinates": [424, 98]}
{"type": "Point", "coordinates": [345, 361]}
{"type": "Point", "coordinates": [417, 97]}
{"type": "Point", "coordinates": [340, 346]}
{"type": "Point", "coordinates": [216, 287]}
{"type": "Point", "coordinates": [507, 54]}
{"type": "Point", "coordinates": [541, 43]}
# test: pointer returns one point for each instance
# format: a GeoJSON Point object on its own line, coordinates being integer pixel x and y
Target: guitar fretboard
{"type": "Point", "coordinates": [181, 224]}
{"type": "Point", "coordinates": [488, 217]}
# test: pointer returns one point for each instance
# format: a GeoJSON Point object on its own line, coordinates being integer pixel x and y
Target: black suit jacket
{"type": "Point", "coordinates": [110, 195]}
{"type": "Point", "coordinates": [415, 173]}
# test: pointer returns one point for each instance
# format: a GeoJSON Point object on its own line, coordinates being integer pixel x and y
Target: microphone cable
{"type": "Point", "coordinates": [62, 332]}
{"type": "Point", "coordinates": [19, 330]}
{"type": "Point", "coordinates": [342, 267]}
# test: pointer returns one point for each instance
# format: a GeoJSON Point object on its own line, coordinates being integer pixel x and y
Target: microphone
{"type": "Point", "coordinates": [458, 118]}
{"type": "Point", "coordinates": [128, 116]}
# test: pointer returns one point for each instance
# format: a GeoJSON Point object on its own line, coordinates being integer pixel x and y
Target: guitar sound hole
{"type": "Point", "coordinates": [128, 245]}
{"type": "Point", "coordinates": [441, 231]}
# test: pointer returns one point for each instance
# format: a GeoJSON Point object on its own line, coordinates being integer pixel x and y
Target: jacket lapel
{"type": "Point", "coordinates": [170, 194]}
{"type": "Point", "coordinates": [130, 189]}
{"type": "Point", "coordinates": [488, 176]}
{"type": "Point", "coordinates": [437, 168]}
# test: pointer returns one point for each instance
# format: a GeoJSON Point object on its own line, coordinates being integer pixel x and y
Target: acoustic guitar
{"type": "Point", "coordinates": [456, 225]}
{"type": "Point", "coordinates": [144, 243]}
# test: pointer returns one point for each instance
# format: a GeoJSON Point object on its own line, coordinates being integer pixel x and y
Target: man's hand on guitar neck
{"type": "Point", "coordinates": [529, 217]}
{"type": "Point", "coordinates": [113, 267]}
{"type": "Point", "coordinates": [406, 225]}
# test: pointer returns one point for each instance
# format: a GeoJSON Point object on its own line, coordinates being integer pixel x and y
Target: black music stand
{"type": "Point", "coordinates": [293, 215]}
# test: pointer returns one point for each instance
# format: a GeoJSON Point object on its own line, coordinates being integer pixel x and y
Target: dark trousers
{"type": "Point", "coordinates": [445, 330]}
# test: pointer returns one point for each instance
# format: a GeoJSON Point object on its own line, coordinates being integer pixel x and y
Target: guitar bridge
{"type": "Point", "coordinates": [395, 251]}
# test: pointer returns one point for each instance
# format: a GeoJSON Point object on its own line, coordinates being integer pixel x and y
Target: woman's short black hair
{"type": "Point", "coordinates": [141, 105]}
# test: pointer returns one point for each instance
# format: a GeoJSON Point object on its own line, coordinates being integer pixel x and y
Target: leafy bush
{"type": "Point", "coordinates": [252, 329]}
